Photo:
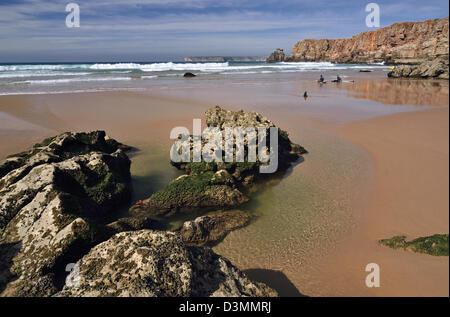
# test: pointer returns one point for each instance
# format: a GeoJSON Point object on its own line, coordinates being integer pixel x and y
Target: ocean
{"type": "Point", "coordinates": [81, 77]}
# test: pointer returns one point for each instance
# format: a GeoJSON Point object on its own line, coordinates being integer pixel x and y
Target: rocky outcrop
{"type": "Point", "coordinates": [400, 43]}
{"type": "Point", "coordinates": [55, 202]}
{"type": "Point", "coordinates": [218, 185]}
{"type": "Point", "coordinates": [150, 263]}
{"type": "Point", "coordinates": [277, 56]}
{"type": "Point", "coordinates": [213, 227]}
{"type": "Point", "coordinates": [437, 68]}
{"type": "Point", "coordinates": [189, 75]}
{"type": "Point", "coordinates": [50, 200]}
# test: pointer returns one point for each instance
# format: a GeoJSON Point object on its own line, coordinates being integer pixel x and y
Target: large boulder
{"type": "Point", "coordinates": [150, 263]}
{"type": "Point", "coordinates": [438, 69]}
{"type": "Point", "coordinates": [50, 200]}
{"type": "Point", "coordinates": [219, 185]}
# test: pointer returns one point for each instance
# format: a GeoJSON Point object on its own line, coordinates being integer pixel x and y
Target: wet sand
{"type": "Point", "coordinates": [374, 171]}
{"type": "Point", "coordinates": [410, 153]}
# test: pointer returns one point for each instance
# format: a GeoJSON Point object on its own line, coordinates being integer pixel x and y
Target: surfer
{"type": "Point", "coordinates": [337, 80]}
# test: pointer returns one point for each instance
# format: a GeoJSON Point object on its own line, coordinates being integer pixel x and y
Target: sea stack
{"type": "Point", "coordinates": [277, 56]}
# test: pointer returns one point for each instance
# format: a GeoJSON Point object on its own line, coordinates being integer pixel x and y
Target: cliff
{"type": "Point", "coordinates": [399, 43]}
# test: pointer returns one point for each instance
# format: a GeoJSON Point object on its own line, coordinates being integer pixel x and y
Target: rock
{"type": "Point", "coordinates": [277, 56]}
{"type": "Point", "coordinates": [133, 224]}
{"type": "Point", "coordinates": [150, 263]}
{"type": "Point", "coordinates": [50, 197]}
{"type": "Point", "coordinates": [436, 245]}
{"type": "Point", "coordinates": [399, 43]}
{"type": "Point", "coordinates": [190, 193]}
{"type": "Point", "coordinates": [213, 227]}
{"type": "Point", "coordinates": [213, 186]}
{"type": "Point", "coordinates": [189, 75]}
{"type": "Point", "coordinates": [438, 68]}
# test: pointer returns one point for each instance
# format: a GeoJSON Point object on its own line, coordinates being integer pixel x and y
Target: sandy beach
{"type": "Point", "coordinates": [376, 169]}
{"type": "Point", "coordinates": [409, 197]}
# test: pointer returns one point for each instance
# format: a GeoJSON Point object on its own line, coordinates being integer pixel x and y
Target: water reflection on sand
{"type": "Point", "coordinates": [400, 91]}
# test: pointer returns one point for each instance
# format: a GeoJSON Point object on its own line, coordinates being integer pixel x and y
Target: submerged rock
{"type": "Point", "coordinates": [133, 224]}
{"type": "Point", "coordinates": [213, 227]}
{"type": "Point", "coordinates": [436, 245]}
{"type": "Point", "coordinates": [438, 68]}
{"type": "Point", "coordinates": [219, 185]}
{"type": "Point", "coordinates": [50, 199]}
{"type": "Point", "coordinates": [150, 263]}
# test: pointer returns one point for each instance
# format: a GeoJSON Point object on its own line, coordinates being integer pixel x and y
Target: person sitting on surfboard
{"type": "Point", "coordinates": [337, 80]}
{"type": "Point", "coordinates": [321, 79]}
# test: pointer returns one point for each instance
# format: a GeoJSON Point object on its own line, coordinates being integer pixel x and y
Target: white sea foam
{"type": "Point", "coordinates": [68, 80]}
{"type": "Point", "coordinates": [43, 67]}
{"type": "Point", "coordinates": [161, 67]}
{"type": "Point", "coordinates": [170, 66]}
{"type": "Point", "coordinates": [39, 74]}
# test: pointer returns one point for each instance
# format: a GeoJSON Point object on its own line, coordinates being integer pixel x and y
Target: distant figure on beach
{"type": "Point", "coordinates": [337, 80]}
{"type": "Point", "coordinates": [305, 95]}
{"type": "Point", "coordinates": [321, 79]}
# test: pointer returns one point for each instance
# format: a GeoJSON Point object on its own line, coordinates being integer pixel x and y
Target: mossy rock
{"type": "Point", "coordinates": [436, 245]}
{"type": "Point", "coordinates": [201, 188]}
{"type": "Point", "coordinates": [57, 198]}
{"type": "Point", "coordinates": [189, 193]}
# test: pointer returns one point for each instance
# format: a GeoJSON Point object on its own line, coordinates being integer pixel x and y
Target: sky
{"type": "Point", "coordinates": [164, 30]}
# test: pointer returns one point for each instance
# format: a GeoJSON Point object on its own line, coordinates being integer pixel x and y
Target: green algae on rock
{"type": "Point", "coordinates": [151, 263]}
{"type": "Point", "coordinates": [51, 198]}
{"type": "Point", "coordinates": [219, 185]}
{"type": "Point", "coordinates": [436, 245]}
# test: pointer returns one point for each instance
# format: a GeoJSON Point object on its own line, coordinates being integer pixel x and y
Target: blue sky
{"type": "Point", "coordinates": [148, 30]}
